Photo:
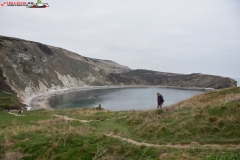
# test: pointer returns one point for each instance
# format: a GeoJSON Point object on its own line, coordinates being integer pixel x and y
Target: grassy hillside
{"type": "Point", "coordinates": [9, 101]}
{"type": "Point", "coordinates": [206, 126]}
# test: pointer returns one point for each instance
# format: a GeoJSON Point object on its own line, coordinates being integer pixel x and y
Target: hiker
{"type": "Point", "coordinates": [19, 112]}
{"type": "Point", "coordinates": [99, 107]}
{"type": "Point", "coordinates": [160, 100]}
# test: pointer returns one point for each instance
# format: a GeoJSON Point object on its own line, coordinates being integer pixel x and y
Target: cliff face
{"type": "Point", "coordinates": [31, 67]}
{"type": "Point", "coordinates": [181, 80]}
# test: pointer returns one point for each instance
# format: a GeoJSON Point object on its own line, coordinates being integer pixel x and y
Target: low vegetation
{"type": "Point", "coordinates": [206, 127]}
{"type": "Point", "coordinates": [9, 101]}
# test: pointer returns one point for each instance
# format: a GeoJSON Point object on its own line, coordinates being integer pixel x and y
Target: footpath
{"type": "Point", "coordinates": [191, 145]}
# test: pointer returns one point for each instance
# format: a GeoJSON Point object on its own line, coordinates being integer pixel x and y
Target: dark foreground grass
{"type": "Point", "coordinates": [40, 135]}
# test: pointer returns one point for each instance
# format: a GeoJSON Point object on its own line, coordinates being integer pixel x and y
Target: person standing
{"type": "Point", "coordinates": [159, 100]}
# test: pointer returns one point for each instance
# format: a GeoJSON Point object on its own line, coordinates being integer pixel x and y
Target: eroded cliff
{"type": "Point", "coordinates": [32, 67]}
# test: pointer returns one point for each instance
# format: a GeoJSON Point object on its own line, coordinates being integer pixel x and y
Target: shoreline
{"type": "Point", "coordinates": [40, 100]}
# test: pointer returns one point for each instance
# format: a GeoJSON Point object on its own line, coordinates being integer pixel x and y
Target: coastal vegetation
{"type": "Point", "coordinates": [206, 126]}
{"type": "Point", "coordinates": [9, 101]}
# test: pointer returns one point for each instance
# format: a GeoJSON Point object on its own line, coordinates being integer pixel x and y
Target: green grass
{"type": "Point", "coordinates": [5, 118]}
{"type": "Point", "coordinates": [28, 118]}
{"type": "Point", "coordinates": [224, 156]}
{"type": "Point", "coordinates": [41, 135]}
{"type": "Point", "coordinates": [9, 101]}
{"type": "Point", "coordinates": [219, 125]}
{"type": "Point", "coordinates": [89, 114]}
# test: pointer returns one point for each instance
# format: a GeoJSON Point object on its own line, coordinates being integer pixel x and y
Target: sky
{"type": "Point", "coordinates": [177, 36]}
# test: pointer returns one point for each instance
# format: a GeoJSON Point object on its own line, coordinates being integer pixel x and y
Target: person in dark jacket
{"type": "Point", "coordinates": [159, 100]}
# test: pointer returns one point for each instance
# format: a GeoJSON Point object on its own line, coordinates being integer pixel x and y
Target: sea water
{"type": "Point", "coordinates": [116, 99]}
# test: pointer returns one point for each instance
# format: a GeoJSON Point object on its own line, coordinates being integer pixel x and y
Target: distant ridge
{"type": "Point", "coordinates": [182, 80]}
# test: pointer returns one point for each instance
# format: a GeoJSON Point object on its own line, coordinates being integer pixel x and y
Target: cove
{"type": "Point", "coordinates": [116, 99]}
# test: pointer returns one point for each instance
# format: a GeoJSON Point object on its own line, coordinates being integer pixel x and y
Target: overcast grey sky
{"type": "Point", "coordinates": [179, 36]}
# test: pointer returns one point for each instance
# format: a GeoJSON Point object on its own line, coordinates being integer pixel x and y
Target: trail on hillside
{"type": "Point", "coordinates": [83, 120]}
{"type": "Point", "coordinates": [191, 145]}
{"type": "Point", "coordinates": [15, 114]}
{"type": "Point", "coordinates": [73, 119]}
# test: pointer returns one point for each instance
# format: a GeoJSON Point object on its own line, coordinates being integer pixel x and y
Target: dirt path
{"type": "Point", "coordinates": [191, 145]}
{"type": "Point", "coordinates": [84, 121]}
{"type": "Point", "coordinates": [15, 114]}
{"type": "Point", "coordinates": [73, 119]}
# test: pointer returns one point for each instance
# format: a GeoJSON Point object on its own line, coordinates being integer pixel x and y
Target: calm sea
{"type": "Point", "coordinates": [116, 99]}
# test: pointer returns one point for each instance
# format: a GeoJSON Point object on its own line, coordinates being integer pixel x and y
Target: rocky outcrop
{"type": "Point", "coordinates": [30, 67]}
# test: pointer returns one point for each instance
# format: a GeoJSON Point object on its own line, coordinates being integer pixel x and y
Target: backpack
{"type": "Point", "coordinates": [162, 98]}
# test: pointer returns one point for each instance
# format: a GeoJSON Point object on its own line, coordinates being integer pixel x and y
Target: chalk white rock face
{"type": "Point", "coordinates": [42, 88]}
{"type": "Point", "coordinates": [28, 92]}
{"type": "Point", "coordinates": [69, 81]}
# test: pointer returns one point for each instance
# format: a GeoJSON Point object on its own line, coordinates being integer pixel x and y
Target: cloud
{"type": "Point", "coordinates": [166, 35]}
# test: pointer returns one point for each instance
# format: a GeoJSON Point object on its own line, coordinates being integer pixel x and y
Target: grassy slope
{"type": "Point", "coordinates": [9, 101]}
{"type": "Point", "coordinates": [210, 118]}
